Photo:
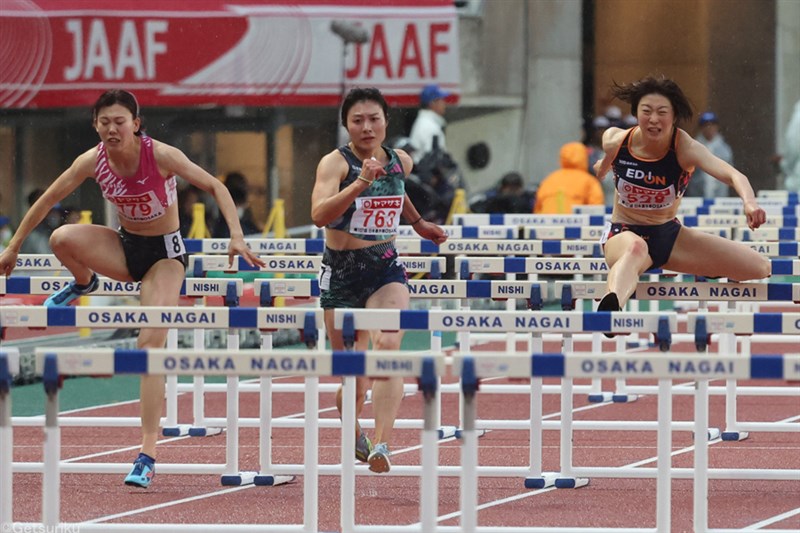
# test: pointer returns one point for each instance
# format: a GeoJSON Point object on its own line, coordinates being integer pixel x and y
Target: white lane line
{"type": "Point", "coordinates": [118, 450]}
{"type": "Point", "coordinates": [774, 519]}
{"type": "Point", "coordinates": [166, 504]}
{"type": "Point", "coordinates": [225, 491]}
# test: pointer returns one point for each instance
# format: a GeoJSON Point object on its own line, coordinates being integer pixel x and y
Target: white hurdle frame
{"type": "Point", "coordinates": [471, 367]}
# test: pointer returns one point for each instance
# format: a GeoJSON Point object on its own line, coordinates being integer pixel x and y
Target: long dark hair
{"type": "Point", "coordinates": [121, 97]}
{"type": "Point", "coordinates": [359, 94]}
{"type": "Point", "coordinates": [633, 92]}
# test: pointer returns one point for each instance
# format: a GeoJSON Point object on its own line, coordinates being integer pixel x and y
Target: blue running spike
{"type": "Point", "coordinates": [70, 292]}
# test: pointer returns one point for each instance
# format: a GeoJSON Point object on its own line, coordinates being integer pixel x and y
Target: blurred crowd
{"type": "Point", "coordinates": [436, 176]}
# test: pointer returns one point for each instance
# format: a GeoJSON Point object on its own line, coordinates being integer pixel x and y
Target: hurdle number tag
{"type": "Point", "coordinates": [324, 277]}
{"type": "Point", "coordinates": [377, 214]}
{"type": "Point", "coordinates": [173, 243]}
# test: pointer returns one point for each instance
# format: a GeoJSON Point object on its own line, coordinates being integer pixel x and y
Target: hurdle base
{"type": "Point", "coordinates": [198, 431]}
{"type": "Point", "coordinates": [268, 480]}
{"type": "Point", "coordinates": [734, 435]}
{"type": "Point", "coordinates": [601, 397]}
{"type": "Point", "coordinates": [547, 479]}
{"type": "Point", "coordinates": [624, 398]}
{"type": "Point", "coordinates": [571, 482]}
{"type": "Point", "coordinates": [448, 432]}
{"type": "Point", "coordinates": [478, 432]}
{"type": "Point", "coordinates": [181, 430]}
{"type": "Point", "coordinates": [237, 480]}
{"type": "Point", "coordinates": [713, 434]}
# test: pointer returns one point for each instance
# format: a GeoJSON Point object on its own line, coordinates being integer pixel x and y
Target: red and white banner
{"type": "Point", "coordinates": [62, 53]}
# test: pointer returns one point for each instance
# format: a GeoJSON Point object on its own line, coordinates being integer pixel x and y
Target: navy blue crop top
{"type": "Point", "coordinates": [649, 184]}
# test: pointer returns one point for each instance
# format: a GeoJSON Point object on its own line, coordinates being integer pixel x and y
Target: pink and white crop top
{"type": "Point", "coordinates": [139, 198]}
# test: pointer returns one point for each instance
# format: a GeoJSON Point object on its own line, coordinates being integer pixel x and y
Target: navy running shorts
{"type": "Point", "coordinates": [660, 239]}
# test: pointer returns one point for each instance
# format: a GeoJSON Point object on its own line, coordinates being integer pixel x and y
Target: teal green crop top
{"type": "Point", "coordinates": [375, 214]}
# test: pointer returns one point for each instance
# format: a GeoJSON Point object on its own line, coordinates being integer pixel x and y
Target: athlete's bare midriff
{"type": "Point", "coordinates": [341, 240]}
{"type": "Point", "coordinates": [627, 215]}
{"type": "Point", "coordinates": [162, 225]}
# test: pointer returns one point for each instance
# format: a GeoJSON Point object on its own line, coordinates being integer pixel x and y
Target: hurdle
{"type": "Point", "coordinates": [267, 291]}
{"type": "Point", "coordinates": [465, 322]}
{"type": "Point", "coordinates": [161, 317]}
{"type": "Point", "coordinates": [229, 290]}
{"type": "Point", "coordinates": [9, 365]}
{"type": "Point", "coordinates": [664, 369]}
{"type": "Point", "coordinates": [728, 325]}
{"type": "Point", "coordinates": [471, 368]}
{"type": "Point", "coordinates": [165, 361]}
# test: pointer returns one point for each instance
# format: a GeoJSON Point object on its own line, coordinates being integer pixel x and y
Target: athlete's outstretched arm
{"type": "Point", "coordinates": [175, 161]}
{"type": "Point", "coordinates": [692, 153]}
{"type": "Point", "coordinates": [68, 181]}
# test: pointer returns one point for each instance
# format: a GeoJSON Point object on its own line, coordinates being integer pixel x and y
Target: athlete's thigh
{"type": "Point", "coordinates": [162, 283]}
{"type": "Point", "coordinates": [621, 244]}
{"type": "Point", "coordinates": [97, 247]}
{"type": "Point", "coordinates": [335, 335]}
{"type": "Point", "coordinates": [390, 296]}
{"type": "Point", "coordinates": [704, 254]}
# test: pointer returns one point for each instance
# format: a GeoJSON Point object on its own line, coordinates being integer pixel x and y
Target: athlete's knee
{"type": "Point", "coordinates": [61, 238]}
{"type": "Point", "coordinates": [759, 268]}
{"type": "Point", "coordinates": [637, 248]}
{"type": "Point", "coordinates": [763, 268]}
{"type": "Point", "coordinates": [386, 341]}
{"type": "Point", "coordinates": [152, 338]}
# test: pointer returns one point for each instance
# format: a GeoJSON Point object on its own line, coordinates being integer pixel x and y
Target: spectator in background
{"type": "Point", "coordinates": [790, 159]}
{"type": "Point", "coordinates": [614, 116]}
{"type": "Point", "coordinates": [38, 242]}
{"type": "Point", "coordinates": [427, 132]}
{"type": "Point", "coordinates": [424, 197]}
{"type": "Point", "coordinates": [569, 186]}
{"type": "Point", "coordinates": [237, 185]}
{"type": "Point", "coordinates": [72, 215]}
{"type": "Point", "coordinates": [188, 196]}
{"type": "Point", "coordinates": [595, 147]}
{"type": "Point", "coordinates": [510, 196]}
{"type": "Point", "coordinates": [6, 231]}
{"type": "Point", "coordinates": [701, 183]}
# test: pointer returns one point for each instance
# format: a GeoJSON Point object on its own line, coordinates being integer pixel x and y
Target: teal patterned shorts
{"type": "Point", "coordinates": [349, 277]}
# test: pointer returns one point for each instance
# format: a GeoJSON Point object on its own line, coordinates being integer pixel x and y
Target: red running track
{"type": "Point", "coordinates": [604, 503]}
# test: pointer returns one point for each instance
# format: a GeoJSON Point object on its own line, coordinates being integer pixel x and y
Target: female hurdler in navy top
{"type": "Point", "coordinates": [137, 175]}
{"type": "Point", "coordinates": [359, 196]}
{"type": "Point", "coordinates": [652, 164]}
